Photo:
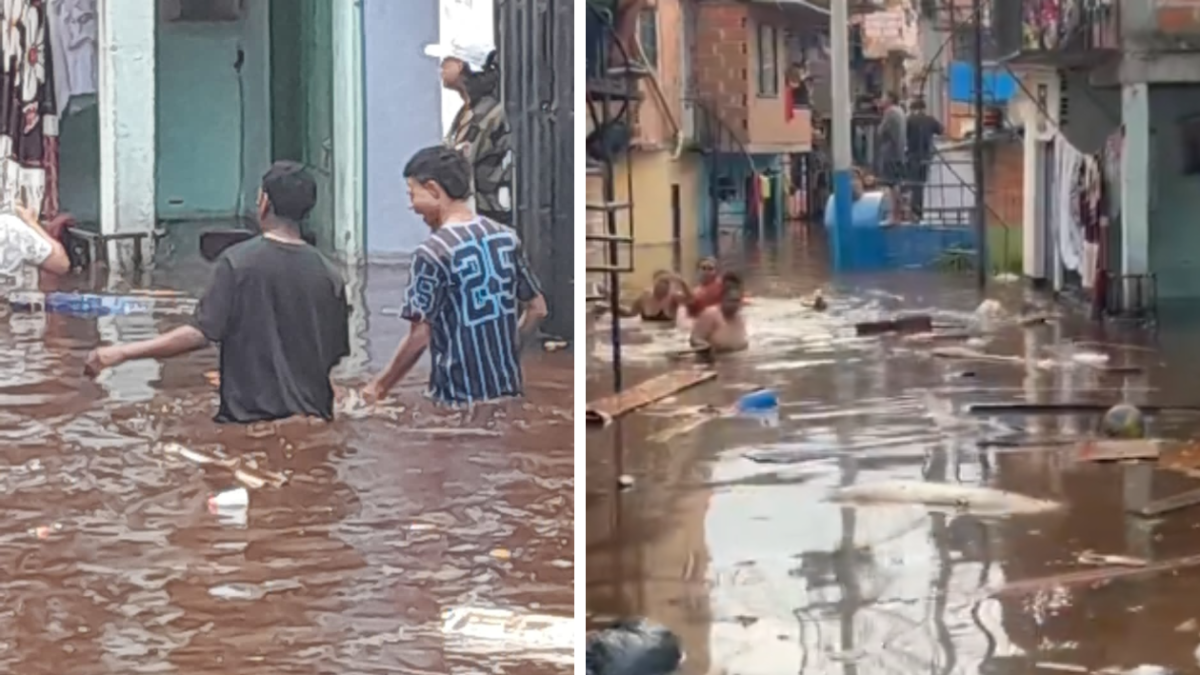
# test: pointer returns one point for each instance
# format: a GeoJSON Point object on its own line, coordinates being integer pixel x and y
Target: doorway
{"type": "Point", "coordinates": [302, 101]}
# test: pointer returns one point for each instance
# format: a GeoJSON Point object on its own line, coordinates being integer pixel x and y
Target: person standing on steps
{"type": "Point", "coordinates": [480, 128]}
{"type": "Point", "coordinates": [891, 143]}
{"type": "Point", "coordinates": [277, 308]}
{"type": "Point", "coordinates": [471, 297]}
{"type": "Point", "coordinates": [921, 130]}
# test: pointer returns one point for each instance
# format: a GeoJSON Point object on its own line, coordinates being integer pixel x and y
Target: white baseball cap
{"type": "Point", "coordinates": [474, 55]}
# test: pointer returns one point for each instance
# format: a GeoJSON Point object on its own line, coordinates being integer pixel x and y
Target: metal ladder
{"type": "Point", "coordinates": [616, 88]}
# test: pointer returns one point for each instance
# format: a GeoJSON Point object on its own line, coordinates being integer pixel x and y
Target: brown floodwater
{"type": "Point", "coordinates": [111, 562]}
{"type": "Point", "coordinates": [728, 538]}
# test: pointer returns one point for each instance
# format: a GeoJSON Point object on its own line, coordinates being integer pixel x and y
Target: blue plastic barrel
{"type": "Point", "coordinates": [867, 212]}
{"type": "Point", "coordinates": [759, 401]}
{"type": "Point", "coordinates": [80, 304]}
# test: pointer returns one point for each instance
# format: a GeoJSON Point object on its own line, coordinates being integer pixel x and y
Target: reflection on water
{"type": "Point", "coordinates": [112, 563]}
{"type": "Point", "coordinates": [727, 536]}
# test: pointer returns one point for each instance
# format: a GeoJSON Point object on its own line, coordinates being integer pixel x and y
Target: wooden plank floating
{"type": "Point", "coordinates": [918, 323]}
{"type": "Point", "coordinates": [604, 410]}
{"type": "Point", "coordinates": [1158, 507]}
{"type": "Point", "coordinates": [968, 354]}
{"type": "Point", "coordinates": [1107, 450]}
{"type": "Point", "coordinates": [1066, 408]}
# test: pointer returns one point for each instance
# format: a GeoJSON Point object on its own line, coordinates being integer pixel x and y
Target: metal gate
{"type": "Point", "coordinates": [536, 44]}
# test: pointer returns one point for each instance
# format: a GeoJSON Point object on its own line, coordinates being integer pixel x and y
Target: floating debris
{"type": "Point", "coordinates": [975, 499]}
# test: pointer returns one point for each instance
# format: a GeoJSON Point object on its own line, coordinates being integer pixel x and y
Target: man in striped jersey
{"type": "Point", "coordinates": [465, 293]}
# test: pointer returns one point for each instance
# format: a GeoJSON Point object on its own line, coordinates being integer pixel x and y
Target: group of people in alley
{"type": "Point", "coordinates": [904, 149]}
{"type": "Point", "coordinates": [278, 308]}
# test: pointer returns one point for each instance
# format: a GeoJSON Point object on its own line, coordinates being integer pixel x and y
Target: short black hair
{"type": "Point", "coordinates": [917, 104]}
{"type": "Point", "coordinates": [731, 279]}
{"type": "Point", "coordinates": [442, 165]}
{"type": "Point", "coordinates": [291, 190]}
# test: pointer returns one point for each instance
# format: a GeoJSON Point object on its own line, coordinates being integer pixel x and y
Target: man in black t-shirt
{"type": "Point", "coordinates": [922, 129]}
{"type": "Point", "coordinates": [276, 307]}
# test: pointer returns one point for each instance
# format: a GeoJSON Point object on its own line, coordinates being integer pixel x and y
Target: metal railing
{"type": "Point", "coordinates": [1055, 28]}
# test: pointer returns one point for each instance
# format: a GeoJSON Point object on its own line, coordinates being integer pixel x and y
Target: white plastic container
{"type": "Point", "coordinates": [237, 498]}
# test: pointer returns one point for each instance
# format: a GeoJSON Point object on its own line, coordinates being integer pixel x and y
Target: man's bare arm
{"type": "Point", "coordinates": [58, 262]}
{"type": "Point", "coordinates": [534, 312]}
{"type": "Point", "coordinates": [407, 355]}
{"type": "Point", "coordinates": [172, 343]}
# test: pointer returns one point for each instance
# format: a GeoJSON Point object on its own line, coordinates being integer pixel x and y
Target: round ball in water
{"type": "Point", "coordinates": [1123, 421]}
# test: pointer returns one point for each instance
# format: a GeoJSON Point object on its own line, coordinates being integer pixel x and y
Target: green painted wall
{"type": "Point", "coordinates": [1174, 198]}
{"type": "Point", "coordinates": [198, 139]}
{"type": "Point", "coordinates": [201, 153]}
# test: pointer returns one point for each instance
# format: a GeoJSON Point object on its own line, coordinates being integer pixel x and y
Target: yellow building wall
{"type": "Point", "coordinates": [653, 175]}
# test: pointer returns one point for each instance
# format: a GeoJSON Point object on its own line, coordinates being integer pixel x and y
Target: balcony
{"type": "Point", "coordinates": [1056, 33]}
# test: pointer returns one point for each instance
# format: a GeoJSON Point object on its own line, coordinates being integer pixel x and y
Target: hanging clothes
{"type": "Point", "coordinates": [28, 119]}
{"type": "Point", "coordinates": [73, 26]}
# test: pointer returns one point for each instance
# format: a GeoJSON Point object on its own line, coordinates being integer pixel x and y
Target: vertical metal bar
{"type": "Point", "coordinates": [843, 162]}
{"type": "Point", "coordinates": [977, 152]}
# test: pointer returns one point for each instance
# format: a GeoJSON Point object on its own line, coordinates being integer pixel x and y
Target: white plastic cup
{"type": "Point", "coordinates": [237, 498]}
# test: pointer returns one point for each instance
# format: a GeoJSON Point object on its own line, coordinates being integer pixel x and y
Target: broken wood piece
{"type": "Point", "coordinates": [1022, 408]}
{"type": "Point", "coordinates": [1090, 577]}
{"type": "Point", "coordinates": [691, 351]}
{"type": "Point", "coordinates": [1167, 504]}
{"type": "Point", "coordinates": [918, 323]}
{"type": "Point", "coordinates": [1025, 443]}
{"type": "Point", "coordinates": [1093, 558]}
{"type": "Point", "coordinates": [957, 336]}
{"type": "Point", "coordinates": [1036, 319]}
{"type": "Point", "coordinates": [968, 354]}
{"type": "Point", "coordinates": [1111, 450]}
{"type": "Point", "coordinates": [606, 409]}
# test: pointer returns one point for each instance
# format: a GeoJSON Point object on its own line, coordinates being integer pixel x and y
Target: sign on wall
{"type": "Point", "coordinates": [1177, 17]}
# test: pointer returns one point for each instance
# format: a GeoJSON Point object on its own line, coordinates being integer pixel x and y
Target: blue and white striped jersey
{"type": "Point", "coordinates": [467, 281]}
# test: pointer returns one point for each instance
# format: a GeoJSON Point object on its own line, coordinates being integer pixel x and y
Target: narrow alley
{"type": "Point", "coordinates": [722, 528]}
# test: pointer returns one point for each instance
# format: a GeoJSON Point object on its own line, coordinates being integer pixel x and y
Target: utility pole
{"type": "Point", "coordinates": [981, 245]}
{"type": "Point", "coordinates": [841, 121]}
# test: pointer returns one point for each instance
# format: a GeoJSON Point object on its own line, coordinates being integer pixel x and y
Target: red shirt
{"type": "Point", "coordinates": [704, 297]}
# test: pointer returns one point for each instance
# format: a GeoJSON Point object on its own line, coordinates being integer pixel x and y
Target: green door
{"type": "Point", "coordinates": [302, 99]}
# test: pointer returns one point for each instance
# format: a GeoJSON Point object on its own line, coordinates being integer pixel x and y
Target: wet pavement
{"type": "Point", "coordinates": [727, 536]}
{"type": "Point", "coordinates": [111, 562]}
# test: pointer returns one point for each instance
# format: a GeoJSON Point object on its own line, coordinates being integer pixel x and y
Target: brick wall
{"type": "Point", "coordinates": [721, 63]}
{"type": "Point", "coordinates": [1004, 185]}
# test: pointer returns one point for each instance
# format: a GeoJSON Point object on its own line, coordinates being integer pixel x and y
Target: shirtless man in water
{"type": "Point", "coordinates": [660, 303]}
{"type": "Point", "coordinates": [721, 327]}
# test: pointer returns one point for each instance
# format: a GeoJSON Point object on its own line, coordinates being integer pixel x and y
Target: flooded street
{"type": "Point", "coordinates": [111, 562]}
{"type": "Point", "coordinates": [728, 535]}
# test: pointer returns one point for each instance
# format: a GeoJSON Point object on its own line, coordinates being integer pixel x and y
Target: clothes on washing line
{"type": "Point", "coordinates": [73, 26]}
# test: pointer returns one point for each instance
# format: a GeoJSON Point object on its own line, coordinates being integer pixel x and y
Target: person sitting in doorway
{"type": "Point", "coordinates": [721, 328]}
{"type": "Point", "coordinates": [25, 245]}
{"type": "Point", "coordinates": [661, 302]}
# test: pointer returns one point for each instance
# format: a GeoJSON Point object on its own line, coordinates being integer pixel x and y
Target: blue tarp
{"type": "Point", "coordinates": [999, 86]}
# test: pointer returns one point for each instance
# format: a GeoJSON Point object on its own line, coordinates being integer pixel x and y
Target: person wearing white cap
{"type": "Point", "coordinates": [480, 128]}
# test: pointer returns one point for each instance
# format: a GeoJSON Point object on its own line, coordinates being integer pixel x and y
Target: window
{"type": "Point", "coordinates": [648, 36]}
{"type": "Point", "coordinates": [768, 60]}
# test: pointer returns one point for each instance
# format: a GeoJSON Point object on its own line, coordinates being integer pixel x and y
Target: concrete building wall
{"type": "Point", "coordinates": [403, 114]}
{"type": "Point", "coordinates": [199, 151]}
{"type": "Point", "coordinates": [727, 77]}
